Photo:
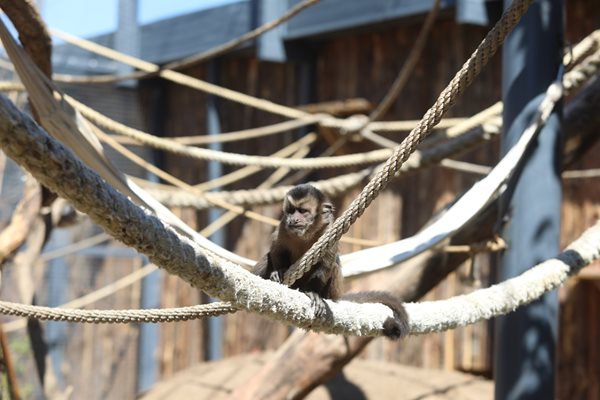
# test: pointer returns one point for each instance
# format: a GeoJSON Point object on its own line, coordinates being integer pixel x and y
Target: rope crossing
{"type": "Point", "coordinates": [575, 78]}
{"type": "Point", "coordinates": [463, 78]}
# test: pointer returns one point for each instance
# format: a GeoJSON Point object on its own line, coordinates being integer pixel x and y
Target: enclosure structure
{"type": "Point", "coordinates": [330, 63]}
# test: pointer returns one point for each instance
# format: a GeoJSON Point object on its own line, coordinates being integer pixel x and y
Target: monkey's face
{"type": "Point", "coordinates": [307, 216]}
{"type": "Point", "coordinates": [300, 218]}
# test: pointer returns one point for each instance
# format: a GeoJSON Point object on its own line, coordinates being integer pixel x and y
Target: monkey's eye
{"type": "Point", "coordinates": [302, 210]}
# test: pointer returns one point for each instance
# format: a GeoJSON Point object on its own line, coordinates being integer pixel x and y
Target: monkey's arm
{"type": "Point", "coordinates": [261, 268]}
{"type": "Point", "coordinates": [266, 270]}
{"type": "Point", "coordinates": [336, 283]}
{"type": "Point", "coordinates": [324, 281]}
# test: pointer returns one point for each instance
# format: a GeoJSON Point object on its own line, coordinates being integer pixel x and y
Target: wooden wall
{"type": "Point", "coordinates": [350, 65]}
{"type": "Point", "coordinates": [363, 65]}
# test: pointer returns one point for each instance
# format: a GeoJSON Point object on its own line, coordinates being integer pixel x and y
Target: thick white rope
{"type": "Point", "coordinates": [436, 316]}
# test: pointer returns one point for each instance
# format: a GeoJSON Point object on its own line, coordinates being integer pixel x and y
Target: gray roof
{"type": "Point", "coordinates": [164, 40]}
{"type": "Point", "coordinates": [335, 15]}
{"type": "Point", "coordinates": [188, 34]}
{"type": "Point", "coordinates": [181, 36]}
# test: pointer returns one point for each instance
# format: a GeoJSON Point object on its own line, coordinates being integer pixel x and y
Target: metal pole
{"type": "Point", "coordinates": [525, 340]}
{"type": "Point", "coordinates": [149, 334]}
{"type": "Point", "coordinates": [215, 170]}
{"type": "Point", "coordinates": [128, 37]}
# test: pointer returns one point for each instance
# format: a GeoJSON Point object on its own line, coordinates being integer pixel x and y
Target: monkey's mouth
{"type": "Point", "coordinates": [299, 229]}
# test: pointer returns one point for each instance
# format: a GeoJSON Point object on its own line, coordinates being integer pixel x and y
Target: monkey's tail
{"type": "Point", "coordinates": [393, 328]}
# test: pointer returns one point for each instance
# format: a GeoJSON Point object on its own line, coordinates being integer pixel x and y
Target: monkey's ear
{"type": "Point", "coordinates": [328, 208]}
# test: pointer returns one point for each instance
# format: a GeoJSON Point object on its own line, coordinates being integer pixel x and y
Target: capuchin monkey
{"type": "Point", "coordinates": [306, 215]}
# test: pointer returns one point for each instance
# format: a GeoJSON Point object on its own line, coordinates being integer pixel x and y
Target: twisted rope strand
{"type": "Point", "coordinates": [583, 49]}
{"type": "Point", "coordinates": [408, 66]}
{"type": "Point", "coordinates": [229, 158]}
{"type": "Point", "coordinates": [582, 72]}
{"type": "Point", "coordinates": [244, 134]}
{"type": "Point", "coordinates": [182, 79]}
{"type": "Point", "coordinates": [116, 316]}
{"type": "Point", "coordinates": [461, 80]}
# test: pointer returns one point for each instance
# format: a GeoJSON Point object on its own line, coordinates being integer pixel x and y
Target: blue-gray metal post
{"type": "Point", "coordinates": [215, 170]}
{"type": "Point", "coordinates": [525, 340]}
{"type": "Point", "coordinates": [128, 37]}
{"type": "Point", "coordinates": [148, 340]}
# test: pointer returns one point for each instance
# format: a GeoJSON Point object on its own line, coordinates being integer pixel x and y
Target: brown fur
{"type": "Point", "coordinates": [306, 215]}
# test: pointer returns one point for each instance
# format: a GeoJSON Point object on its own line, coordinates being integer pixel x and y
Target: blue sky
{"type": "Point", "coordinates": [90, 17]}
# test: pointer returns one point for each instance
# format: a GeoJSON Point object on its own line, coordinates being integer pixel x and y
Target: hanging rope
{"type": "Point", "coordinates": [91, 297]}
{"type": "Point", "coordinates": [235, 136]}
{"type": "Point", "coordinates": [182, 79]}
{"type": "Point", "coordinates": [228, 158]}
{"type": "Point", "coordinates": [408, 66]}
{"type": "Point", "coordinates": [583, 49]}
{"type": "Point", "coordinates": [336, 186]}
{"type": "Point", "coordinates": [582, 72]}
{"type": "Point", "coordinates": [461, 80]}
{"type": "Point", "coordinates": [115, 316]}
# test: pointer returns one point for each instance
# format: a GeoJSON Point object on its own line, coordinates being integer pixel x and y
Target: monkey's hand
{"type": "Point", "coordinates": [275, 277]}
{"type": "Point", "coordinates": [318, 304]}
